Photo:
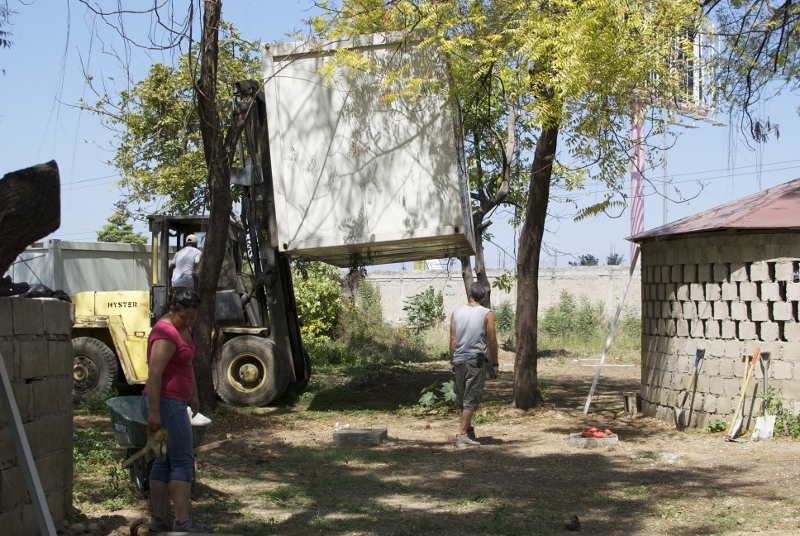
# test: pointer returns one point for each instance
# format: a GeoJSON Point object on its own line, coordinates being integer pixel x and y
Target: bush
{"type": "Point", "coordinates": [615, 259]}
{"type": "Point", "coordinates": [505, 322]}
{"type": "Point", "coordinates": [318, 297]}
{"type": "Point", "coordinates": [585, 260]}
{"type": "Point", "coordinates": [424, 310]}
{"type": "Point", "coordinates": [571, 317]}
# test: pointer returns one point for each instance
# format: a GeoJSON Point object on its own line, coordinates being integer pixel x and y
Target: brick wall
{"type": "Point", "coordinates": [597, 283]}
{"type": "Point", "coordinates": [35, 344]}
{"type": "Point", "coordinates": [727, 295]}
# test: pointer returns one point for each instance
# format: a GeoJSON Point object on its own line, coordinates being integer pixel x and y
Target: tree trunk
{"type": "Point", "coordinates": [466, 273]}
{"type": "Point", "coordinates": [526, 381]}
{"type": "Point", "coordinates": [480, 265]}
{"type": "Point", "coordinates": [30, 209]}
{"type": "Point", "coordinates": [219, 149]}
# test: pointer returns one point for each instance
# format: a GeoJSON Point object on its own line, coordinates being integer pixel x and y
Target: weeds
{"type": "Point", "coordinates": [716, 426]}
{"type": "Point", "coordinates": [429, 397]}
{"type": "Point", "coordinates": [786, 424]}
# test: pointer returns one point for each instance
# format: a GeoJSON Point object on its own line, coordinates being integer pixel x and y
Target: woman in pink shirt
{"type": "Point", "coordinates": [170, 389]}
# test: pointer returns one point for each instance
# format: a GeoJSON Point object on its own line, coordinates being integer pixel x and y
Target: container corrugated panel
{"type": "Point", "coordinates": [361, 178]}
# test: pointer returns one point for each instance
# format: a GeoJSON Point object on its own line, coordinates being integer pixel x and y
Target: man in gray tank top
{"type": "Point", "coordinates": [472, 333]}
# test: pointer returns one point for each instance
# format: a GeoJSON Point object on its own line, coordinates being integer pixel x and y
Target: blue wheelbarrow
{"type": "Point", "coordinates": [130, 431]}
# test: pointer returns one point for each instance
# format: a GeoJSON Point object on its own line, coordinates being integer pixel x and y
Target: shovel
{"type": "Point", "coordinates": [681, 421]}
{"type": "Point", "coordinates": [765, 426]}
{"type": "Point", "coordinates": [736, 423]}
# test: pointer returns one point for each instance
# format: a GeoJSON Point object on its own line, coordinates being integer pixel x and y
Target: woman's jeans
{"type": "Point", "coordinates": [179, 464]}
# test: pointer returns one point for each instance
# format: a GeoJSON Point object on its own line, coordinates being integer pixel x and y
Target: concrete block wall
{"type": "Point", "coordinates": [37, 351]}
{"type": "Point", "coordinates": [597, 283]}
{"type": "Point", "coordinates": [727, 295]}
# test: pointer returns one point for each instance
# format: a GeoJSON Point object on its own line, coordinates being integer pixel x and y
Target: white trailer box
{"type": "Point", "coordinates": [360, 179]}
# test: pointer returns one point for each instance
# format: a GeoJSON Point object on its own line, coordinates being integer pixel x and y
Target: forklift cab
{"type": "Point", "coordinates": [168, 237]}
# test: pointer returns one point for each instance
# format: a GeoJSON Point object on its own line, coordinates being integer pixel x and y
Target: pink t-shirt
{"type": "Point", "coordinates": [177, 381]}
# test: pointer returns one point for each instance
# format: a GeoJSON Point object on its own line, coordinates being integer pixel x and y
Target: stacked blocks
{"type": "Point", "coordinates": [728, 295]}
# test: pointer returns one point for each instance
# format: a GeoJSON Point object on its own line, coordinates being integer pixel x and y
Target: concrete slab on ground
{"type": "Point", "coordinates": [359, 436]}
{"type": "Point", "coordinates": [575, 440]}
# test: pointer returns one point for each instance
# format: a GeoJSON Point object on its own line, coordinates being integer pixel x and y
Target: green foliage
{"type": "Point", "coordinates": [786, 424]}
{"type": "Point", "coordinates": [569, 316]}
{"type": "Point", "coordinates": [505, 324]}
{"type": "Point", "coordinates": [424, 310]}
{"type": "Point", "coordinates": [318, 297]}
{"type": "Point", "coordinates": [159, 147]}
{"type": "Point", "coordinates": [615, 259]}
{"type": "Point", "coordinates": [119, 230]}
{"type": "Point", "coordinates": [429, 397]}
{"type": "Point", "coordinates": [90, 448]}
{"type": "Point", "coordinates": [95, 403]}
{"type": "Point", "coordinates": [505, 281]}
{"type": "Point", "coordinates": [585, 260]}
{"type": "Point", "coordinates": [369, 300]}
{"type": "Point", "coordinates": [95, 454]}
{"type": "Point", "coordinates": [716, 426]}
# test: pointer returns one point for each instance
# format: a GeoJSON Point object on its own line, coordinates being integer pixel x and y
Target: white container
{"type": "Point", "coordinates": [358, 180]}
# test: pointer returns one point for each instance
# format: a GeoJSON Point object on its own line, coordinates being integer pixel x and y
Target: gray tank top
{"type": "Point", "coordinates": [470, 333]}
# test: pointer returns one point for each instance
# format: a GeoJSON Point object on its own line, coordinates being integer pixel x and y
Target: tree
{"type": "Point", "coordinates": [159, 148]}
{"type": "Point", "coordinates": [219, 136]}
{"type": "Point", "coordinates": [585, 260]}
{"type": "Point", "coordinates": [579, 70]}
{"type": "Point", "coordinates": [615, 259]}
{"type": "Point", "coordinates": [119, 230]}
{"type": "Point", "coordinates": [759, 41]}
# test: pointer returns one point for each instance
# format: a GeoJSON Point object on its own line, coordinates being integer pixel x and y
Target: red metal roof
{"type": "Point", "coordinates": [774, 208]}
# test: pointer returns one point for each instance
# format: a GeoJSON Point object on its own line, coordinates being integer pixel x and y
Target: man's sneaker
{"type": "Point", "coordinates": [159, 525]}
{"type": "Point", "coordinates": [471, 433]}
{"type": "Point", "coordinates": [192, 525]}
{"type": "Point", "coordinates": [463, 441]}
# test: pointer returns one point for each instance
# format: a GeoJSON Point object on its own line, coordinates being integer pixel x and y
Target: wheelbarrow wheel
{"type": "Point", "coordinates": [140, 473]}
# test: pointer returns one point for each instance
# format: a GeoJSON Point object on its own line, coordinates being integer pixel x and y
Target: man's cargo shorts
{"type": "Point", "coordinates": [470, 375]}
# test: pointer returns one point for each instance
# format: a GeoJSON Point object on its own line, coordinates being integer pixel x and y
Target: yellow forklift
{"type": "Point", "coordinates": [256, 314]}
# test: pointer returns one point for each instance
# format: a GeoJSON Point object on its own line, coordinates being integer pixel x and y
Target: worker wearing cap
{"type": "Point", "coordinates": [183, 269]}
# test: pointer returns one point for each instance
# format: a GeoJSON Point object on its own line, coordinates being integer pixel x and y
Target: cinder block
{"type": "Point", "coordinates": [7, 350]}
{"type": "Point", "coordinates": [670, 292]}
{"type": "Point", "coordinates": [682, 327]}
{"type": "Point", "coordinates": [676, 311]}
{"type": "Point", "coordinates": [791, 352]}
{"type": "Point", "coordinates": [696, 329]}
{"type": "Point", "coordinates": [738, 272]}
{"type": "Point", "coordinates": [41, 431]}
{"type": "Point", "coordinates": [784, 271]}
{"type": "Point", "coordinates": [726, 368]}
{"type": "Point", "coordinates": [793, 291]}
{"type": "Point", "coordinates": [713, 291]}
{"type": "Point", "coordinates": [665, 310]}
{"type": "Point", "coordinates": [690, 273]}
{"type": "Point", "coordinates": [11, 521]}
{"type": "Point", "coordinates": [27, 316]}
{"type": "Point", "coordinates": [666, 274]}
{"type": "Point", "coordinates": [670, 327]}
{"type": "Point", "coordinates": [791, 331]}
{"type": "Point", "coordinates": [730, 291]}
{"type": "Point", "coordinates": [50, 396]}
{"type": "Point", "coordinates": [721, 311]}
{"type": "Point", "coordinates": [29, 525]}
{"type": "Point", "coordinates": [712, 329]}
{"type": "Point", "coordinates": [715, 351]}
{"type": "Point", "coordinates": [57, 319]}
{"type": "Point", "coordinates": [22, 394]}
{"type": "Point", "coordinates": [59, 358]}
{"type": "Point", "coordinates": [720, 272]}
{"type": "Point", "coordinates": [768, 331]}
{"type": "Point", "coordinates": [704, 273]}
{"type": "Point", "coordinates": [662, 327]}
{"type": "Point", "coordinates": [728, 329]}
{"type": "Point", "coordinates": [8, 455]}
{"type": "Point", "coordinates": [781, 370]}
{"type": "Point", "coordinates": [647, 273]}
{"type": "Point", "coordinates": [13, 490]}
{"type": "Point", "coordinates": [659, 295]}
{"type": "Point", "coordinates": [782, 311]}
{"type": "Point", "coordinates": [739, 311]}
{"type": "Point", "coordinates": [748, 291]}
{"type": "Point", "coordinates": [657, 272]}
{"type": "Point", "coordinates": [747, 330]}
{"type": "Point", "coordinates": [32, 358]}
{"type": "Point", "coordinates": [697, 291]}
{"type": "Point", "coordinates": [676, 275]}
{"type": "Point", "coordinates": [48, 467]}
{"type": "Point", "coordinates": [704, 310]}
{"type": "Point", "coordinates": [56, 502]}
{"type": "Point", "coordinates": [682, 292]}
{"type": "Point", "coordinates": [681, 253]}
{"type": "Point", "coordinates": [759, 271]}
{"type": "Point", "coordinates": [6, 318]}
{"type": "Point", "coordinates": [689, 310]}
{"type": "Point", "coordinates": [770, 292]}
{"type": "Point", "coordinates": [759, 311]}
{"type": "Point", "coordinates": [716, 386]}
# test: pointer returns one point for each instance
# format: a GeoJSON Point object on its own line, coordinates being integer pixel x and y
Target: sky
{"type": "Point", "coordinates": [41, 80]}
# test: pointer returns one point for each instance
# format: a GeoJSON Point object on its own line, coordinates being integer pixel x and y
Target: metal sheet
{"type": "Point", "coordinates": [774, 208]}
{"type": "Point", "coordinates": [359, 175]}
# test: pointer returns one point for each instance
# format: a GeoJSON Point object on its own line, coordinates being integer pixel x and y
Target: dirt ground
{"type": "Point", "coordinates": [282, 475]}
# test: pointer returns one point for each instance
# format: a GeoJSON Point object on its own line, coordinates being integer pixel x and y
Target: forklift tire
{"type": "Point", "coordinates": [94, 368]}
{"type": "Point", "coordinates": [250, 372]}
